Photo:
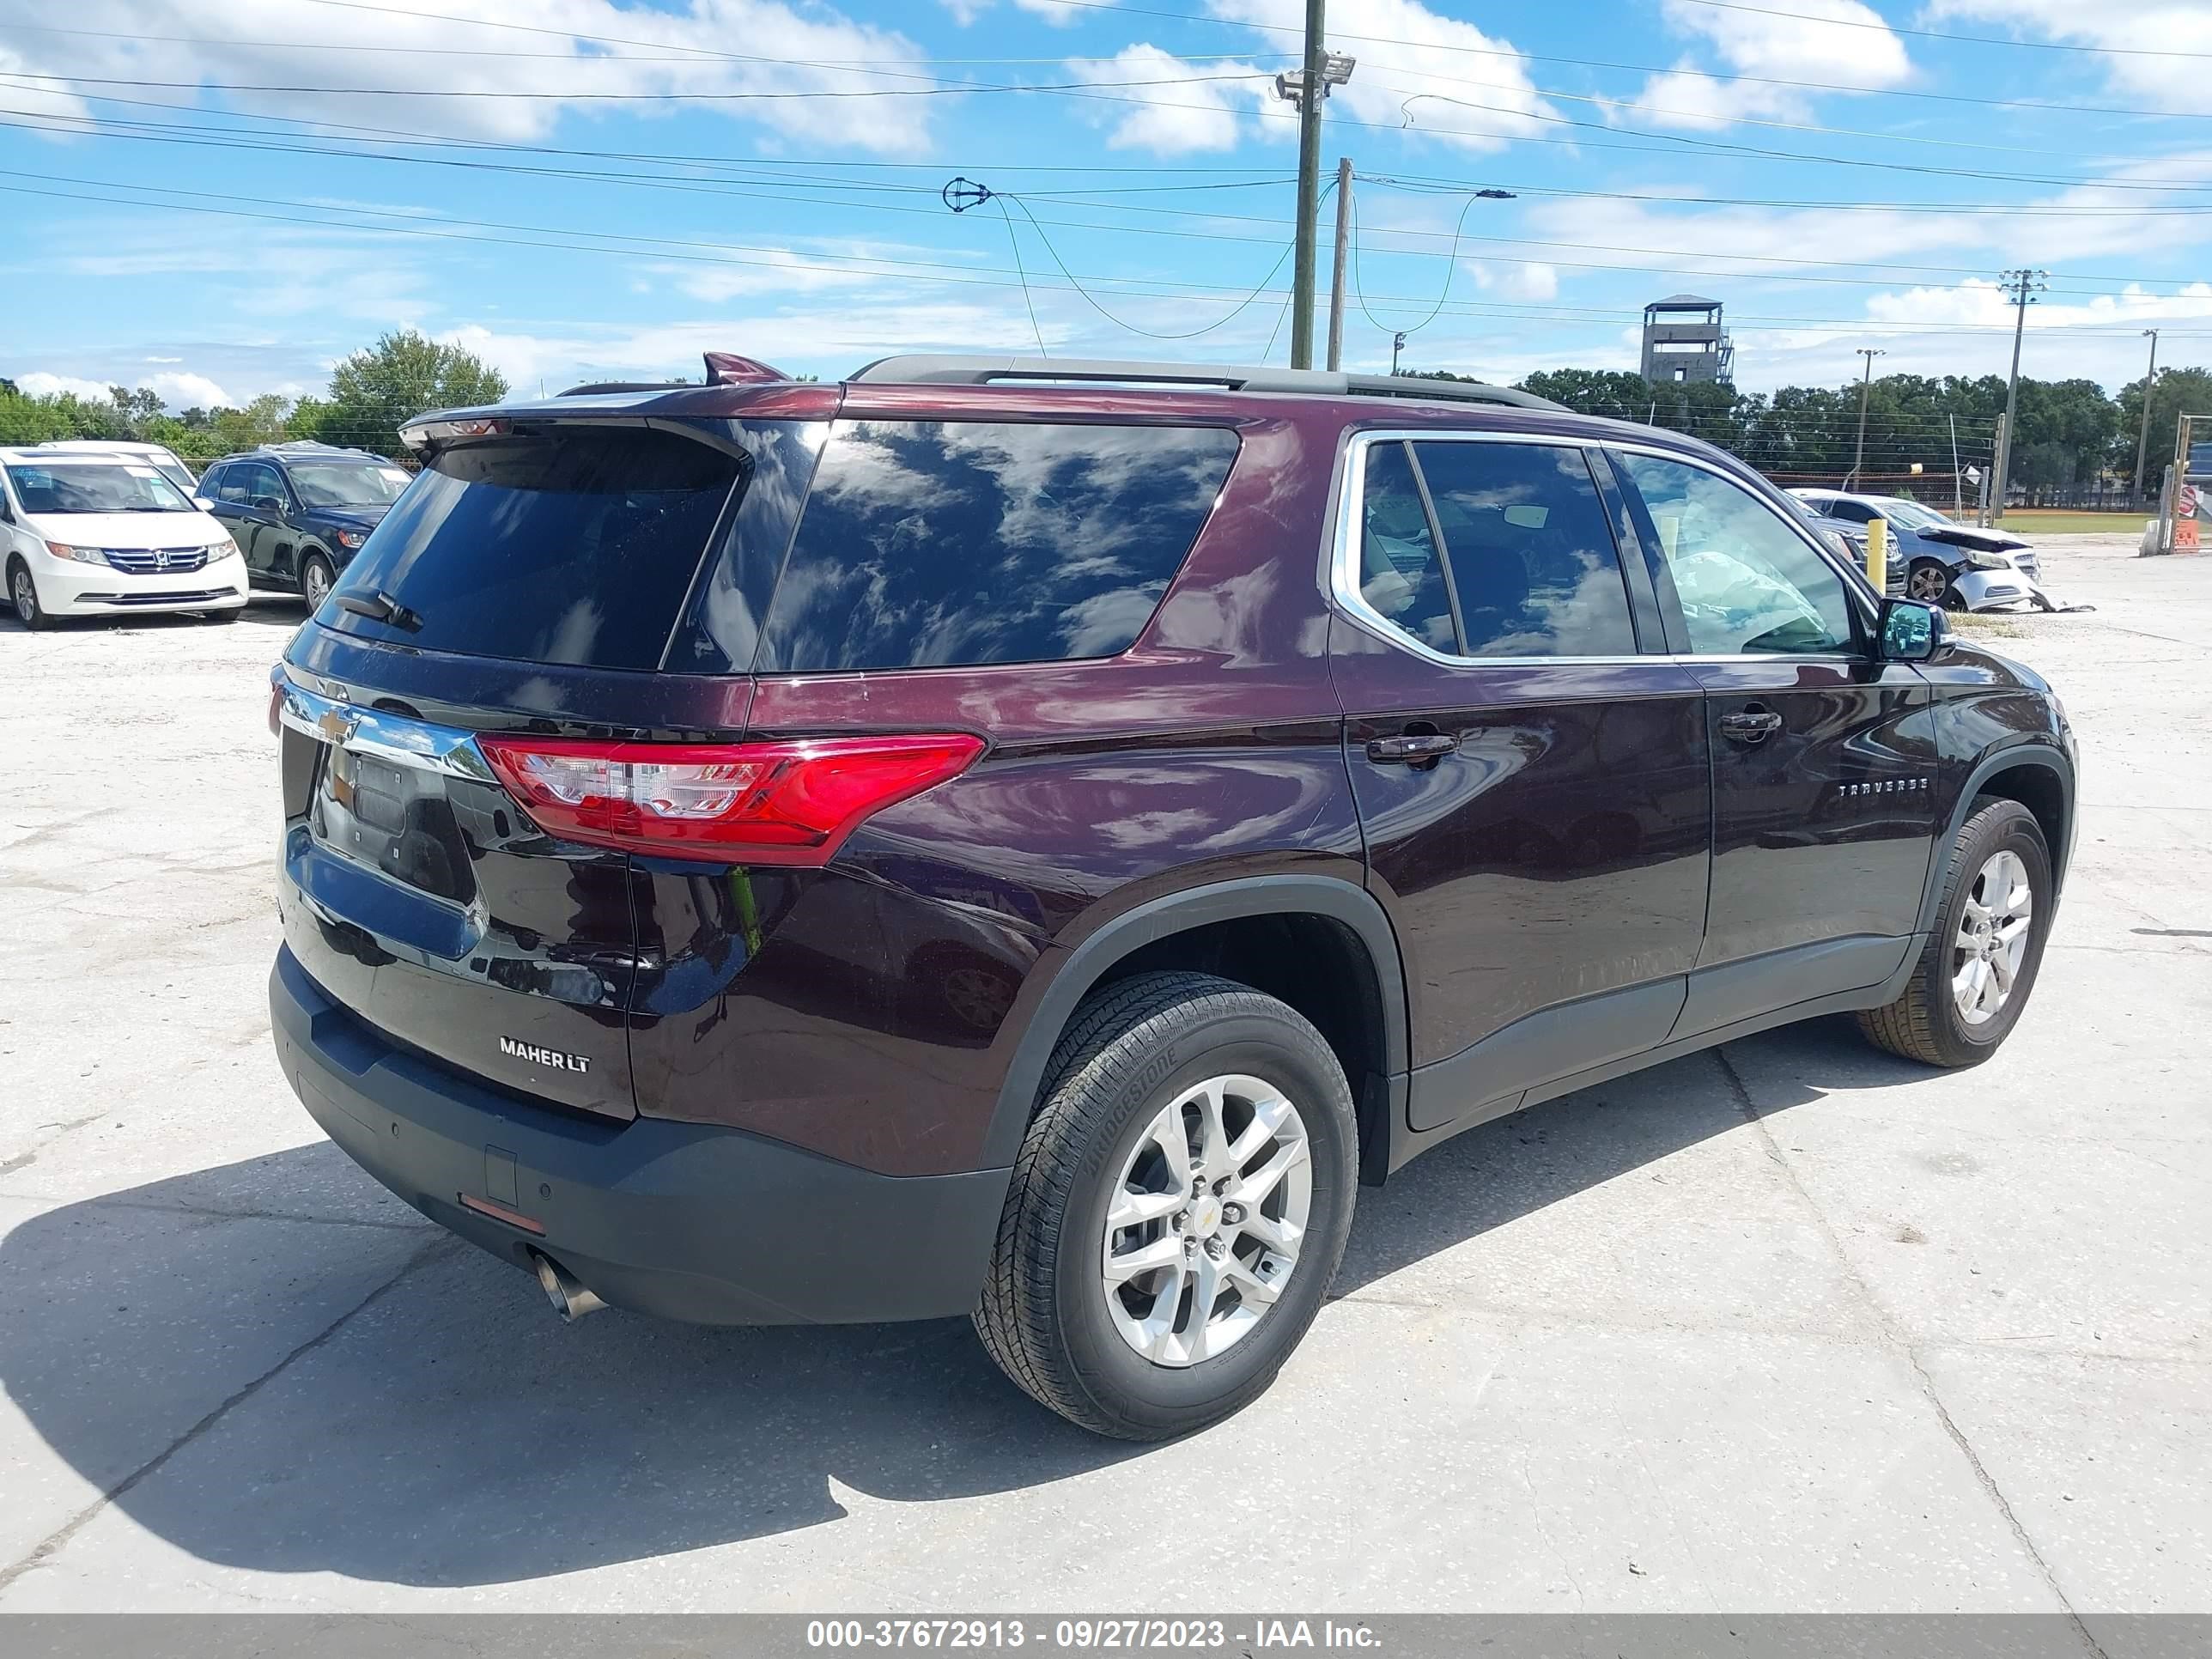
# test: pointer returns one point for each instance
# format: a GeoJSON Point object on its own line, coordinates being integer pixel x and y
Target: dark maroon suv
{"type": "Point", "coordinates": [1031, 840]}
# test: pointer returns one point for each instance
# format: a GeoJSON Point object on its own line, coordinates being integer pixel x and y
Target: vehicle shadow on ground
{"type": "Point", "coordinates": [452, 1432]}
{"type": "Point", "coordinates": [263, 611]}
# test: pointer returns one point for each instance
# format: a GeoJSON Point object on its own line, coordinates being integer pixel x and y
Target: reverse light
{"type": "Point", "coordinates": [792, 802]}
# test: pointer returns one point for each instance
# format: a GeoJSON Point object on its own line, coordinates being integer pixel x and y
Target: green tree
{"type": "Point", "coordinates": [1618, 393]}
{"type": "Point", "coordinates": [375, 392]}
{"type": "Point", "coordinates": [2179, 392]}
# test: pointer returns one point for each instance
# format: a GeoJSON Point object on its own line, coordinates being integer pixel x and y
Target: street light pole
{"type": "Point", "coordinates": [2142, 438]}
{"type": "Point", "coordinates": [2020, 289]}
{"type": "Point", "coordinates": [1866, 387]}
{"type": "Point", "coordinates": [1397, 345]}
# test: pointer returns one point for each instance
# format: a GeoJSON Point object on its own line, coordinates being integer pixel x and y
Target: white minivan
{"type": "Point", "coordinates": [89, 532]}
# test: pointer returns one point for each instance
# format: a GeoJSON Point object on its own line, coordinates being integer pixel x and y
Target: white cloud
{"type": "Point", "coordinates": [2167, 40]}
{"type": "Point", "coordinates": [1174, 120]}
{"type": "Point", "coordinates": [1411, 52]}
{"type": "Point", "coordinates": [40, 383]}
{"type": "Point", "coordinates": [177, 391]}
{"type": "Point", "coordinates": [1770, 47]}
{"type": "Point", "coordinates": [965, 12]}
{"type": "Point", "coordinates": [183, 391]}
{"type": "Point", "coordinates": [1529, 280]}
{"type": "Point", "coordinates": [791, 270]}
{"type": "Point", "coordinates": [707, 51]}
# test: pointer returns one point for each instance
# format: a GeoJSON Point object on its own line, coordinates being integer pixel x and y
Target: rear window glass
{"type": "Point", "coordinates": [928, 544]}
{"type": "Point", "coordinates": [573, 546]}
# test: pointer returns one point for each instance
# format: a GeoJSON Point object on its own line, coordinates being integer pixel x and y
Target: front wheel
{"type": "Point", "coordinates": [1179, 1206]}
{"type": "Point", "coordinates": [1973, 977]}
{"type": "Point", "coordinates": [315, 580]}
{"type": "Point", "coordinates": [23, 597]}
{"type": "Point", "coordinates": [1928, 582]}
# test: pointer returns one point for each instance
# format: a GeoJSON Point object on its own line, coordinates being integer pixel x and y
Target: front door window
{"type": "Point", "coordinates": [1748, 583]}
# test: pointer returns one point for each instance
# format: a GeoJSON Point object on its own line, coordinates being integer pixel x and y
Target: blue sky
{"type": "Point", "coordinates": [218, 198]}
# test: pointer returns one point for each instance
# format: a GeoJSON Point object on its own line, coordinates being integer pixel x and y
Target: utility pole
{"type": "Point", "coordinates": [2142, 439]}
{"type": "Point", "coordinates": [1958, 483]}
{"type": "Point", "coordinates": [1866, 387]}
{"type": "Point", "coordinates": [1336, 273]}
{"type": "Point", "coordinates": [2020, 287]}
{"type": "Point", "coordinates": [1307, 88]}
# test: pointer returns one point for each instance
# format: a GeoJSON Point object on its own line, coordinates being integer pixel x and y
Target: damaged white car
{"type": "Point", "coordinates": [1958, 566]}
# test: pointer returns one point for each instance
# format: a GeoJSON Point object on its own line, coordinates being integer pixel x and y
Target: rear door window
{"type": "Point", "coordinates": [574, 545]}
{"type": "Point", "coordinates": [930, 543]}
{"type": "Point", "coordinates": [1532, 552]}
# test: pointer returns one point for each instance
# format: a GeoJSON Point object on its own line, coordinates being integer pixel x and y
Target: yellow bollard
{"type": "Point", "coordinates": [1878, 555]}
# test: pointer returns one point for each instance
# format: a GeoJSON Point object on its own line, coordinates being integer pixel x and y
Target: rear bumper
{"type": "Point", "coordinates": [683, 1221]}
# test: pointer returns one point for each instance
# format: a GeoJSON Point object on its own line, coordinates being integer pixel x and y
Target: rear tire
{"type": "Point", "coordinates": [23, 597]}
{"type": "Point", "coordinates": [1147, 1062]}
{"type": "Point", "coordinates": [1951, 1014]}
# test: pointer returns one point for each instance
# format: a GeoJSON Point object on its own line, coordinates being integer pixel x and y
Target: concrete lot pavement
{"type": "Point", "coordinates": [1792, 1326]}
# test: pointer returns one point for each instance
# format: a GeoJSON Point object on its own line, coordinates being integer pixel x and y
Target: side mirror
{"type": "Point", "coordinates": [269, 503]}
{"type": "Point", "coordinates": [204, 503]}
{"type": "Point", "coordinates": [1913, 632]}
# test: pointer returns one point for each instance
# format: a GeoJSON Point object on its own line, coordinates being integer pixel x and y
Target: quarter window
{"type": "Point", "coordinates": [933, 543]}
{"type": "Point", "coordinates": [1748, 583]}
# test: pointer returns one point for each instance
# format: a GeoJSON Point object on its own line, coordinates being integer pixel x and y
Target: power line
{"type": "Point", "coordinates": [196, 135]}
{"type": "Point", "coordinates": [1754, 152]}
{"type": "Point", "coordinates": [709, 54]}
{"type": "Point", "coordinates": [692, 55]}
{"type": "Point", "coordinates": [1665, 145]}
{"type": "Point", "coordinates": [672, 53]}
{"type": "Point", "coordinates": [1257, 113]}
{"type": "Point", "coordinates": [939, 89]}
{"type": "Point", "coordinates": [1939, 34]}
{"type": "Point", "coordinates": [940, 271]}
{"type": "Point", "coordinates": [1641, 69]}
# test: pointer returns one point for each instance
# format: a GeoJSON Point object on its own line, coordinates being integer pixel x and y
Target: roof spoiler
{"type": "Point", "coordinates": [727, 369]}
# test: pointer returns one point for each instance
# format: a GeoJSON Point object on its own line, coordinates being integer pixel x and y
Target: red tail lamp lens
{"type": "Point", "coordinates": [755, 803]}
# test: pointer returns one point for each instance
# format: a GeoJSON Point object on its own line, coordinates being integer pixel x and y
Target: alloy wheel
{"type": "Point", "coordinates": [315, 584]}
{"type": "Point", "coordinates": [1204, 1226]}
{"type": "Point", "coordinates": [1992, 944]}
{"type": "Point", "coordinates": [25, 596]}
{"type": "Point", "coordinates": [1928, 584]}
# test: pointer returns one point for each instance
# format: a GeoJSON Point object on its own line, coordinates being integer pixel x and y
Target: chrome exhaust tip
{"type": "Point", "coordinates": [570, 1299]}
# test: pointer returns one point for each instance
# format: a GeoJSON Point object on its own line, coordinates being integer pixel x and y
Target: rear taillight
{"type": "Point", "coordinates": [745, 803]}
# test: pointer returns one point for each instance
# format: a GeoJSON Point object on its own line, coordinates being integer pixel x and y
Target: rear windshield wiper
{"type": "Point", "coordinates": [380, 606]}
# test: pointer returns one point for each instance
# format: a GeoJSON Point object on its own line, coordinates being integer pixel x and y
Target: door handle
{"type": "Point", "coordinates": [1753, 725]}
{"type": "Point", "coordinates": [1415, 747]}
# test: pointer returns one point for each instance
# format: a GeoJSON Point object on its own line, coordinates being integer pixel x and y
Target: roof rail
{"type": "Point", "coordinates": [935, 370]}
{"type": "Point", "coordinates": [596, 388]}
